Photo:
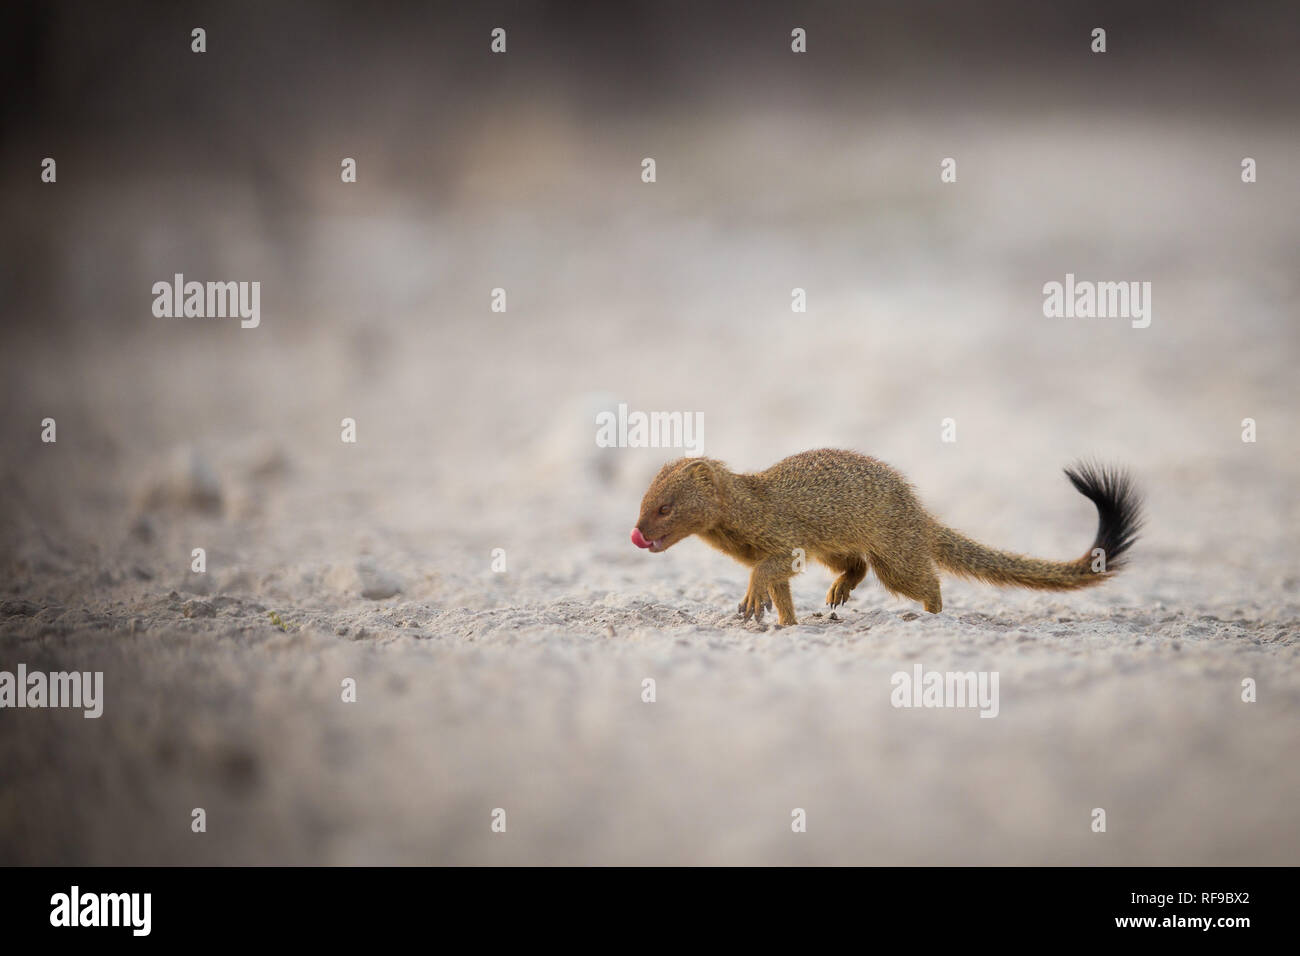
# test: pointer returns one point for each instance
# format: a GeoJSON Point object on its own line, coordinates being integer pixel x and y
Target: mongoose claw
{"type": "Point", "coordinates": [753, 607]}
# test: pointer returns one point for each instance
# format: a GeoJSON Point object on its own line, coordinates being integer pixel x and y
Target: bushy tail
{"type": "Point", "coordinates": [1119, 514]}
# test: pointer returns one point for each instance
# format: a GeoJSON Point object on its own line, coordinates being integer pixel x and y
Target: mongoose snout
{"type": "Point", "coordinates": [641, 541]}
{"type": "Point", "coordinates": [854, 513]}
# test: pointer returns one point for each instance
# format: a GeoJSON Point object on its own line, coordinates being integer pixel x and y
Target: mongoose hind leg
{"type": "Point", "coordinates": [853, 568]}
{"type": "Point", "coordinates": [915, 578]}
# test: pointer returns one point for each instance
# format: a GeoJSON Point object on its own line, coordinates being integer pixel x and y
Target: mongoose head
{"type": "Point", "coordinates": [682, 500]}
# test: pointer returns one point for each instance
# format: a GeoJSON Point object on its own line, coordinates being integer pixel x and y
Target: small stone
{"type": "Point", "coordinates": [268, 461]}
{"type": "Point", "coordinates": [380, 588]}
{"type": "Point", "coordinates": [376, 584]}
{"type": "Point", "coordinates": [198, 609]}
{"type": "Point", "coordinates": [185, 482]}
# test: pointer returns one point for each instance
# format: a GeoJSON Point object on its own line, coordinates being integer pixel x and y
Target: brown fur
{"type": "Point", "coordinates": [854, 513]}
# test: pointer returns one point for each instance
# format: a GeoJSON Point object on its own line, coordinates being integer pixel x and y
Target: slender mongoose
{"type": "Point", "coordinates": [851, 513]}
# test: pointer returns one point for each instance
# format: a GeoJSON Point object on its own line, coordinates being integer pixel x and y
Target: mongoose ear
{"type": "Point", "coordinates": [701, 469]}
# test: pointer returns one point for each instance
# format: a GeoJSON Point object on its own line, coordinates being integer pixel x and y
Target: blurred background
{"type": "Point", "coordinates": [522, 171]}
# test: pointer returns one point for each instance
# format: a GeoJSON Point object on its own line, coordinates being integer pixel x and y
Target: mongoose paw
{"type": "Point", "coordinates": [838, 594]}
{"type": "Point", "coordinates": [753, 606]}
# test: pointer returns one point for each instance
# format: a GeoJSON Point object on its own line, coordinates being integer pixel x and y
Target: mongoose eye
{"type": "Point", "coordinates": [664, 509]}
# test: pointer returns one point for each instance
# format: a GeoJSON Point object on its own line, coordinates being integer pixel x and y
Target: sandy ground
{"type": "Point", "coordinates": [522, 689]}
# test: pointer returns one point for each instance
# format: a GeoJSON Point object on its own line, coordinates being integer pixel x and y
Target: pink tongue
{"type": "Point", "coordinates": [638, 539]}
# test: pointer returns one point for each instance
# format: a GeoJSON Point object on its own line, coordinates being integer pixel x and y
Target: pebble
{"type": "Point", "coordinates": [185, 482]}
{"type": "Point", "coordinates": [198, 609]}
{"type": "Point", "coordinates": [376, 584]}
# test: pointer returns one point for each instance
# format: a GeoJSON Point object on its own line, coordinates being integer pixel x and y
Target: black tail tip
{"type": "Point", "coordinates": [1119, 507]}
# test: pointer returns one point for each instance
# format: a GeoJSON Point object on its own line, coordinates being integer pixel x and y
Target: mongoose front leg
{"type": "Point", "coordinates": [767, 574]}
{"type": "Point", "coordinates": [784, 603]}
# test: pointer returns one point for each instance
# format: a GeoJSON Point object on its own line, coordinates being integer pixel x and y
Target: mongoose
{"type": "Point", "coordinates": [851, 513]}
